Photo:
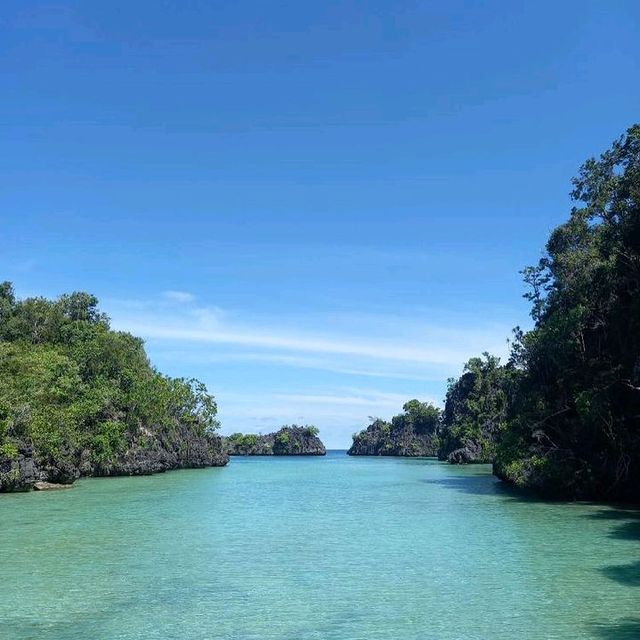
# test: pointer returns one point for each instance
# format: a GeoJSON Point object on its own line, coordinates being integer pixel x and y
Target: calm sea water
{"type": "Point", "coordinates": [314, 548]}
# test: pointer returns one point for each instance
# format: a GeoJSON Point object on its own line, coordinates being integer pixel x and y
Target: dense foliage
{"type": "Point", "coordinates": [574, 426]}
{"type": "Point", "coordinates": [563, 415]}
{"type": "Point", "coordinates": [289, 440]}
{"type": "Point", "coordinates": [414, 432]}
{"type": "Point", "coordinates": [420, 417]}
{"type": "Point", "coordinates": [242, 443]}
{"type": "Point", "coordinates": [69, 384]}
{"type": "Point", "coordinates": [475, 410]}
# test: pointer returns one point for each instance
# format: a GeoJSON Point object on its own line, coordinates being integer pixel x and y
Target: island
{"type": "Point", "coordinates": [561, 417]}
{"type": "Point", "coordinates": [79, 399]}
{"type": "Point", "coordinates": [411, 433]}
{"type": "Point", "coordinates": [289, 440]}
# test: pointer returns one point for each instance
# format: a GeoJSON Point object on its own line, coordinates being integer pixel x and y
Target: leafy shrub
{"type": "Point", "coordinates": [8, 450]}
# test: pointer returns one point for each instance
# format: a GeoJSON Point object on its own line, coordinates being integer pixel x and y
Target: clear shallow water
{"type": "Point", "coordinates": [331, 548]}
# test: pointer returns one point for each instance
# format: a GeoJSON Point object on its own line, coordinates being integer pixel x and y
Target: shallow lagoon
{"type": "Point", "coordinates": [332, 548]}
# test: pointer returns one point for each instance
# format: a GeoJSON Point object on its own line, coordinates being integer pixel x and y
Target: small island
{"type": "Point", "coordinates": [412, 433]}
{"type": "Point", "coordinates": [290, 440]}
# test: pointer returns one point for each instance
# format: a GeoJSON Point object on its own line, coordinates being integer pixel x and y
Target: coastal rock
{"type": "Point", "coordinates": [18, 473]}
{"type": "Point", "coordinates": [146, 453]}
{"type": "Point", "coordinates": [50, 486]}
{"type": "Point", "coordinates": [475, 412]}
{"type": "Point", "coordinates": [458, 450]}
{"type": "Point", "coordinates": [386, 439]}
{"type": "Point", "coordinates": [287, 441]}
{"type": "Point", "coordinates": [78, 398]}
{"type": "Point", "coordinates": [60, 470]}
{"type": "Point", "coordinates": [470, 453]}
{"type": "Point", "coordinates": [150, 453]}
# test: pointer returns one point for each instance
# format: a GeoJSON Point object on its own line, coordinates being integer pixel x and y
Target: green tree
{"type": "Point", "coordinates": [575, 424]}
{"type": "Point", "coordinates": [476, 406]}
{"type": "Point", "coordinates": [421, 417]}
{"type": "Point", "coordinates": [69, 384]}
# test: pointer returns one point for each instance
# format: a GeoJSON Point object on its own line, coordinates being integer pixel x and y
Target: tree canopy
{"type": "Point", "coordinates": [68, 383]}
{"type": "Point", "coordinates": [575, 421]}
{"type": "Point", "coordinates": [563, 414]}
{"type": "Point", "coordinates": [475, 410]}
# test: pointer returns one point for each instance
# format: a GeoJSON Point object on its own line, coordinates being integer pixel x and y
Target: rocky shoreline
{"type": "Point", "coordinates": [287, 441]}
{"type": "Point", "coordinates": [413, 433]}
{"type": "Point", "coordinates": [380, 439]}
{"type": "Point", "coordinates": [471, 452]}
{"type": "Point", "coordinates": [146, 454]}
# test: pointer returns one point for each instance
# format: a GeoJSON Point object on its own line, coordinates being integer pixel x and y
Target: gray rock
{"type": "Point", "coordinates": [50, 486]}
{"type": "Point", "coordinates": [469, 454]}
{"type": "Point", "coordinates": [149, 451]}
{"type": "Point", "coordinates": [384, 439]}
{"type": "Point", "coordinates": [20, 473]}
{"type": "Point", "coordinates": [287, 441]}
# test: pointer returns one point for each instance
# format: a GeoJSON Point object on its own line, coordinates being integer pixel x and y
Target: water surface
{"type": "Point", "coordinates": [332, 548]}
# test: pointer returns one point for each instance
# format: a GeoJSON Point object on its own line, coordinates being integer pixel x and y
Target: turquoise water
{"type": "Point", "coordinates": [314, 548]}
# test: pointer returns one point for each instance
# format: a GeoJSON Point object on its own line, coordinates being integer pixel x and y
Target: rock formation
{"type": "Point", "coordinates": [382, 438]}
{"type": "Point", "coordinates": [287, 441]}
{"type": "Point", "coordinates": [149, 452]}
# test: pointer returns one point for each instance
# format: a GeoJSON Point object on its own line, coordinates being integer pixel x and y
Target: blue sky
{"type": "Point", "coordinates": [318, 208]}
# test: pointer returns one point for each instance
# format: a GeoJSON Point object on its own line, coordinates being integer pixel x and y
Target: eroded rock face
{"type": "Point", "coordinates": [461, 450]}
{"type": "Point", "coordinates": [146, 453]}
{"type": "Point", "coordinates": [384, 439]}
{"type": "Point", "coordinates": [155, 454]}
{"type": "Point", "coordinates": [470, 453]}
{"type": "Point", "coordinates": [19, 473]}
{"type": "Point", "coordinates": [288, 441]}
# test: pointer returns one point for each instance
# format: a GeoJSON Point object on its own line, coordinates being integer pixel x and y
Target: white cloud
{"type": "Point", "coordinates": [328, 364]}
{"type": "Point", "coordinates": [409, 357]}
{"type": "Point", "coordinates": [338, 413]}
{"type": "Point", "coordinates": [365, 400]}
{"type": "Point", "coordinates": [179, 296]}
{"type": "Point", "coordinates": [434, 346]}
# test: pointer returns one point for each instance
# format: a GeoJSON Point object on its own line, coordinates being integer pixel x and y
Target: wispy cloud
{"type": "Point", "coordinates": [305, 368]}
{"type": "Point", "coordinates": [374, 346]}
{"type": "Point", "coordinates": [178, 296]}
{"type": "Point", "coordinates": [365, 400]}
{"type": "Point", "coordinates": [434, 346]}
{"type": "Point", "coordinates": [329, 364]}
{"type": "Point", "coordinates": [338, 413]}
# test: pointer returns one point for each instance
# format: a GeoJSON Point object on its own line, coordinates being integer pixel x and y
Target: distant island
{"type": "Point", "coordinates": [79, 399]}
{"type": "Point", "coordinates": [291, 440]}
{"type": "Point", "coordinates": [412, 433]}
{"type": "Point", "coordinates": [465, 432]}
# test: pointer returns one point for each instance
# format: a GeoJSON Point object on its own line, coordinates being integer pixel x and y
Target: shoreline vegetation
{"type": "Point", "coordinates": [79, 399]}
{"type": "Point", "coordinates": [561, 417]}
{"type": "Point", "coordinates": [290, 440]}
